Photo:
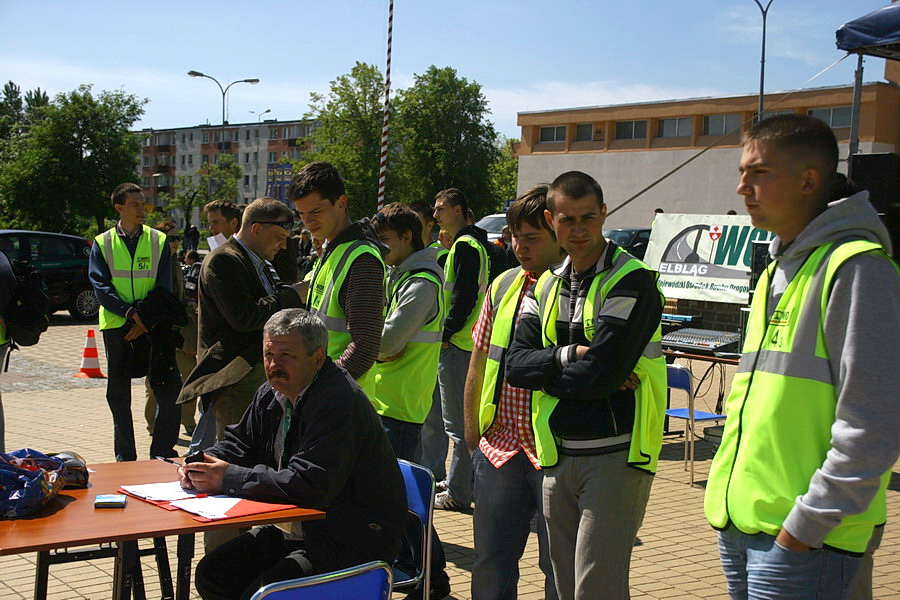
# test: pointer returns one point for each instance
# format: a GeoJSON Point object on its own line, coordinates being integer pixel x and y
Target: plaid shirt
{"type": "Point", "coordinates": [511, 430]}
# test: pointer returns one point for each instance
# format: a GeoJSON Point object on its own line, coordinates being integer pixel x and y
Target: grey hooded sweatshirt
{"type": "Point", "coordinates": [862, 334]}
{"type": "Point", "coordinates": [417, 303]}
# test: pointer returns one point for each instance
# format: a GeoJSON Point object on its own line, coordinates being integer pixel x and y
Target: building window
{"type": "Point", "coordinates": [256, 133]}
{"type": "Point", "coordinates": [205, 137]}
{"type": "Point", "coordinates": [837, 116]}
{"type": "Point", "coordinates": [721, 124]}
{"type": "Point", "coordinates": [286, 133]}
{"type": "Point", "coordinates": [273, 133]}
{"type": "Point", "coordinates": [254, 181]}
{"type": "Point", "coordinates": [631, 130]}
{"type": "Point", "coordinates": [670, 128]}
{"type": "Point", "coordinates": [584, 132]}
{"type": "Point", "coordinates": [190, 159]}
{"type": "Point", "coordinates": [247, 134]}
{"type": "Point", "coordinates": [236, 136]}
{"type": "Point", "coordinates": [191, 137]}
{"type": "Point", "coordinates": [246, 157]}
{"type": "Point", "coordinates": [256, 157]}
{"type": "Point", "coordinates": [183, 159]}
{"type": "Point", "coordinates": [146, 161]}
{"type": "Point", "coordinates": [553, 134]}
{"type": "Point", "coordinates": [205, 158]}
{"type": "Point", "coordinates": [172, 139]}
{"type": "Point", "coordinates": [145, 181]}
{"type": "Point", "coordinates": [183, 137]}
{"type": "Point", "coordinates": [273, 157]}
{"type": "Point", "coordinates": [246, 180]}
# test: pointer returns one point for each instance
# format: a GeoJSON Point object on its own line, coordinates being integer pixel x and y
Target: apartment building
{"type": "Point", "coordinates": [628, 147]}
{"type": "Point", "coordinates": [258, 148]}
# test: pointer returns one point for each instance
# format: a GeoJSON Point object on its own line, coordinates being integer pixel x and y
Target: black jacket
{"type": "Point", "coordinates": [341, 463]}
{"type": "Point", "coordinates": [591, 406]}
{"type": "Point", "coordinates": [467, 264]}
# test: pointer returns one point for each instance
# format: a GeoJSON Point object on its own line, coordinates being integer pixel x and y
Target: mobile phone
{"type": "Point", "coordinates": [195, 457]}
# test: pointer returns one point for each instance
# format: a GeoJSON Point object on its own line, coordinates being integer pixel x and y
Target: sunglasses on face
{"type": "Point", "coordinates": [286, 225]}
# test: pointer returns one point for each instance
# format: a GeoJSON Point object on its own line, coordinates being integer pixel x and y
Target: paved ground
{"type": "Point", "coordinates": [49, 410]}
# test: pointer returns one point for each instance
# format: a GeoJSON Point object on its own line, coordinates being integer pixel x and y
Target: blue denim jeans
{"type": "Point", "coordinates": [433, 443]}
{"type": "Point", "coordinates": [758, 568]}
{"type": "Point", "coordinates": [506, 500]}
{"type": "Point", "coordinates": [452, 370]}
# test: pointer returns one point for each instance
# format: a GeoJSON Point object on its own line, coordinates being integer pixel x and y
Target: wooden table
{"type": "Point", "coordinates": [71, 520]}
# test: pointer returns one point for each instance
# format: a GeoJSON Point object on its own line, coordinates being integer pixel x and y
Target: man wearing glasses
{"type": "Point", "coordinates": [237, 296]}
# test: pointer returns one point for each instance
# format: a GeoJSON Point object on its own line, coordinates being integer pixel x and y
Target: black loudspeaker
{"type": "Point", "coordinates": [880, 174]}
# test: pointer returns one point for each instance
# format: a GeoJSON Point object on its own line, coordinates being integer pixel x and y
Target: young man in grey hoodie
{"type": "Point", "coordinates": [798, 485]}
{"type": "Point", "coordinates": [406, 369]}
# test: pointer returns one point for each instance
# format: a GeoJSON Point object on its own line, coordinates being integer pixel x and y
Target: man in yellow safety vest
{"type": "Point", "coordinates": [813, 430]}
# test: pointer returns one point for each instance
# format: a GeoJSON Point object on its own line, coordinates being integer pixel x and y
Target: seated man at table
{"type": "Point", "coordinates": [311, 438]}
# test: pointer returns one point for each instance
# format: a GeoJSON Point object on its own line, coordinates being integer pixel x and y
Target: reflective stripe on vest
{"type": "Point", "coordinates": [506, 293]}
{"type": "Point", "coordinates": [403, 388]}
{"type": "Point", "coordinates": [132, 276]}
{"type": "Point", "coordinates": [650, 396]}
{"type": "Point", "coordinates": [324, 293]}
{"type": "Point", "coordinates": [781, 409]}
{"type": "Point", "coordinates": [462, 339]}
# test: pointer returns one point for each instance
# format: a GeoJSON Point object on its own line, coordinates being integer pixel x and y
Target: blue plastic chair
{"type": "Point", "coordinates": [420, 502]}
{"type": "Point", "coordinates": [679, 378]}
{"type": "Point", "coordinates": [371, 581]}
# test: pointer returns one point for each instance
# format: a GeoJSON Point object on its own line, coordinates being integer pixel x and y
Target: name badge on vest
{"type": "Point", "coordinates": [142, 263]}
{"type": "Point", "coordinates": [780, 319]}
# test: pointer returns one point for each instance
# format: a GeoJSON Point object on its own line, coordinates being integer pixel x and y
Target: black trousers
{"type": "Point", "coordinates": [242, 565]}
{"type": "Point", "coordinates": [122, 358]}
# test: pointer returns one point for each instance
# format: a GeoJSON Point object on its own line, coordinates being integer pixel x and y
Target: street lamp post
{"type": "Point", "coordinates": [259, 116]}
{"type": "Point", "coordinates": [762, 60]}
{"type": "Point", "coordinates": [252, 81]}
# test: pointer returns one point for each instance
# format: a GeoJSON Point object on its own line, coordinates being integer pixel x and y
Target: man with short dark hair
{"type": "Point", "coordinates": [588, 345]}
{"type": "Point", "coordinates": [237, 296]}
{"type": "Point", "coordinates": [508, 479]}
{"type": "Point", "coordinates": [126, 263]}
{"type": "Point", "coordinates": [797, 486]}
{"type": "Point", "coordinates": [347, 284]}
{"type": "Point", "coordinates": [222, 216]}
{"type": "Point", "coordinates": [466, 273]}
{"type": "Point", "coordinates": [309, 438]}
{"type": "Point", "coordinates": [406, 372]}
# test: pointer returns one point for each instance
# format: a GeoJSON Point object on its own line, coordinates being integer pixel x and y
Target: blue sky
{"type": "Point", "coordinates": [527, 55]}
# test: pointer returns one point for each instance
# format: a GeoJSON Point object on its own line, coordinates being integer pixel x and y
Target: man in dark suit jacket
{"type": "Point", "coordinates": [237, 296]}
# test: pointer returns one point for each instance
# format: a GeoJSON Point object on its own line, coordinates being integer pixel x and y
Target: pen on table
{"type": "Point", "coordinates": [168, 460]}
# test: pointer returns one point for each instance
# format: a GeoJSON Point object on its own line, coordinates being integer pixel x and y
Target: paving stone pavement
{"type": "Point", "coordinates": [49, 410]}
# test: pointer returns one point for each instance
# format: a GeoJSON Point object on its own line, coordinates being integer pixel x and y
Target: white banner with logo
{"type": "Point", "coordinates": [704, 257]}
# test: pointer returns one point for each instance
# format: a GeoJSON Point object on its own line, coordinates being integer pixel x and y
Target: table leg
{"type": "Point", "coordinates": [127, 572]}
{"type": "Point", "coordinates": [162, 565]}
{"type": "Point", "coordinates": [185, 557]}
{"type": "Point", "coordinates": [41, 575]}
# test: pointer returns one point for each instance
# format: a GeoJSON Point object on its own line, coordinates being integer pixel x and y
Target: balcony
{"type": "Point", "coordinates": [164, 148]}
{"type": "Point", "coordinates": [164, 168]}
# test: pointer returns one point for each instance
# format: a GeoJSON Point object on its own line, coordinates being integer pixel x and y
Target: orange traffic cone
{"type": "Point", "coordinates": [90, 363]}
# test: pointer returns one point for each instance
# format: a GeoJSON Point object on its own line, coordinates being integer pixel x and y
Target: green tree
{"type": "Point", "coordinates": [504, 172]}
{"type": "Point", "coordinates": [348, 134]}
{"type": "Point", "coordinates": [219, 181]}
{"type": "Point", "coordinates": [186, 198]}
{"type": "Point", "coordinates": [446, 139]}
{"type": "Point", "coordinates": [58, 174]}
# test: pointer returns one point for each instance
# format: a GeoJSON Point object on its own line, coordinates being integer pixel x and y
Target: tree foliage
{"type": "Point", "coordinates": [446, 139]}
{"type": "Point", "coordinates": [218, 181]}
{"type": "Point", "coordinates": [348, 134]}
{"type": "Point", "coordinates": [17, 115]}
{"type": "Point", "coordinates": [186, 198]}
{"type": "Point", "coordinates": [58, 173]}
{"type": "Point", "coordinates": [504, 171]}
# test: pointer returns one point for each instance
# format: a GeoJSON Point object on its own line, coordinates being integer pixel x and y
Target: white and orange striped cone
{"type": "Point", "coordinates": [90, 363]}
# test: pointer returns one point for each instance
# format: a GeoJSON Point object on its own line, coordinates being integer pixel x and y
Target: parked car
{"type": "Point", "coordinates": [63, 261]}
{"type": "Point", "coordinates": [493, 224]}
{"type": "Point", "coordinates": [632, 239]}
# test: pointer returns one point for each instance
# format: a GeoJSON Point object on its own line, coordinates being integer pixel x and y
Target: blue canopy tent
{"type": "Point", "coordinates": [875, 34]}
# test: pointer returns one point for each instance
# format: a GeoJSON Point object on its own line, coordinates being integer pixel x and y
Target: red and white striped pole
{"type": "Point", "coordinates": [382, 167]}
